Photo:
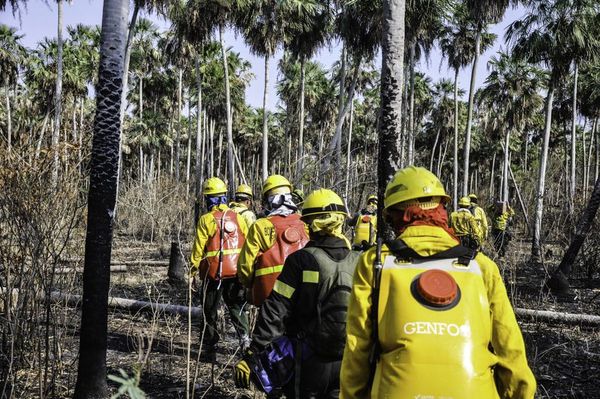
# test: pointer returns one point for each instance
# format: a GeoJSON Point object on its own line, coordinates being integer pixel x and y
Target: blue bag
{"type": "Point", "coordinates": [274, 367]}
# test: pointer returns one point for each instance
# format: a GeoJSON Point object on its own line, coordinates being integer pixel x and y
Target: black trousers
{"type": "Point", "coordinates": [501, 240]}
{"type": "Point", "coordinates": [319, 379]}
{"type": "Point", "coordinates": [230, 290]}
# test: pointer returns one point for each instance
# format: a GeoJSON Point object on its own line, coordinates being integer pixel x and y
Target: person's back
{"type": "Point", "coordinates": [445, 326]}
{"type": "Point", "coordinates": [364, 225]}
{"type": "Point", "coordinates": [270, 240]}
{"type": "Point", "coordinates": [480, 216]}
{"type": "Point", "coordinates": [309, 302]}
{"type": "Point", "coordinates": [465, 226]}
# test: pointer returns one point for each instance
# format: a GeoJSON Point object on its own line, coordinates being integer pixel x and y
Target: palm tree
{"type": "Point", "coordinates": [424, 22]}
{"type": "Point", "coordinates": [91, 375]}
{"type": "Point", "coordinates": [458, 46]}
{"type": "Point", "coordinates": [306, 29]}
{"type": "Point", "coordinates": [392, 75]}
{"type": "Point", "coordinates": [482, 13]}
{"type": "Point", "coordinates": [262, 27]}
{"type": "Point", "coordinates": [442, 118]}
{"type": "Point", "coordinates": [511, 90]}
{"type": "Point", "coordinates": [540, 37]}
{"type": "Point", "coordinates": [12, 54]}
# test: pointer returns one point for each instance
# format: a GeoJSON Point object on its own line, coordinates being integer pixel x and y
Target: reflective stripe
{"type": "Point", "coordinates": [268, 270]}
{"type": "Point", "coordinates": [225, 252]}
{"type": "Point", "coordinates": [310, 276]}
{"type": "Point", "coordinates": [282, 288]}
{"type": "Point", "coordinates": [450, 265]}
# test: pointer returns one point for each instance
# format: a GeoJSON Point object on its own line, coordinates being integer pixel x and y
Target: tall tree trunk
{"type": "Point", "coordinates": [299, 172]}
{"type": "Point", "coordinates": [589, 156]}
{"type": "Point", "coordinates": [57, 93]}
{"type": "Point", "coordinates": [392, 74]}
{"type": "Point", "coordinates": [506, 166]}
{"type": "Point", "coordinates": [38, 147]}
{"type": "Point", "coordinates": [455, 154]}
{"type": "Point", "coordinates": [349, 152]}
{"type": "Point", "coordinates": [411, 117]}
{"type": "Point", "coordinates": [404, 122]}
{"type": "Point", "coordinates": [230, 160]}
{"type": "Point", "coordinates": [212, 148]}
{"type": "Point", "coordinates": [573, 176]}
{"type": "Point", "coordinates": [178, 135]}
{"type": "Point", "coordinates": [199, 135]}
{"type": "Point", "coordinates": [558, 282]}
{"type": "Point", "coordinates": [130, 34]}
{"type": "Point", "coordinates": [265, 132]}
{"type": "Point", "coordinates": [91, 376]}
{"type": "Point", "coordinates": [492, 176]}
{"type": "Point", "coordinates": [220, 152]}
{"type": "Point", "coordinates": [8, 118]}
{"type": "Point", "coordinates": [467, 150]}
{"type": "Point", "coordinates": [536, 244]}
{"type": "Point", "coordinates": [435, 143]}
{"type": "Point", "coordinates": [336, 142]}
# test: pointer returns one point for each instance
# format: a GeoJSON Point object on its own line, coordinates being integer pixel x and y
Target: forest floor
{"type": "Point", "coordinates": [565, 359]}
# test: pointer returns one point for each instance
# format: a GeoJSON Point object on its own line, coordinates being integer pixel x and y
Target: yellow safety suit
{"type": "Point", "coordinates": [207, 228]}
{"type": "Point", "coordinates": [501, 220]}
{"type": "Point", "coordinates": [464, 224]}
{"type": "Point", "coordinates": [260, 237]}
{"type": "Point", "coordinates": [243, 210]}
{"type": "Point", "coordinates": [481, 218]}
{"type": "Point", "coordinates": [505, 357]}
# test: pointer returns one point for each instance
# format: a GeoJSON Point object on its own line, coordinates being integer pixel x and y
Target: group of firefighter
{"type": "Point", "coordinates": [425, 315]}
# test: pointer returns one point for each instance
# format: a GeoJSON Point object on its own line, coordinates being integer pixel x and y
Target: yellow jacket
{"type": "Point", "coordinates": [207, 228]}
{"type": "Point", "coordinates": [260, 237]}
{"type": "Point", "coordinates": [501, 220]}
{"type": "Point", "coordinates": [481, 218]}
{"type": "Point", "coordinates": [464, 224]}
{"type": "Point", "coordinates": [243, 210]}
{"type": "Point", "coordinates": [508, 360]}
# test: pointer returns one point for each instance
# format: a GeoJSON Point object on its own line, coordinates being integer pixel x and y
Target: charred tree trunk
{"type": "Point", "coordinates": [91, 375]}
{"type": "Point", "coordinates": [467, 150]}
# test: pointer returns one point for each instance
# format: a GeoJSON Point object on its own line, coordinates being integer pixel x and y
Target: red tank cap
{"type": "Point", "coordinates": [291, 235]}
{"type": "Point", "coordinates": [437, 287]}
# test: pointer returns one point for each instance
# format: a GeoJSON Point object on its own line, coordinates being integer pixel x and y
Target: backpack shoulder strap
{"type": "Point", "coordinates": [403, 251]}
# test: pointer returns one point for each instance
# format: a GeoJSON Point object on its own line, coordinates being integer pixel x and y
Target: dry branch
{"type": "Point", "coordinates": [68, 270]}
{"type": "Point", "coordinates": [550, 317]}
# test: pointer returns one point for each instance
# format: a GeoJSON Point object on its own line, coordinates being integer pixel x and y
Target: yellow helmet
{"type": "Point", "coordinates": [372, 198]}
{"type": "Point", "coordinates": [276, 181]}
{"type": "Point", "coordinates": [464, 201]}
{"type": "Point", "coordinates": [214, 186]}
{"type": "Point", "coordinates": [244, 190]}
{"type": "Point", "coordinates": [323, 201]}
{"type": "Point", "coordinates": [473, 197]}
{"type": "Point", "coordinates": [412, 183]}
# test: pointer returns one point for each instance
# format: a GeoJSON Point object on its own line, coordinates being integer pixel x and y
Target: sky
{"type": "Point", "coordinates": [38, 20]}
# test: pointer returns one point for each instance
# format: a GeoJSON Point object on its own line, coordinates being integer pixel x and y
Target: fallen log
{"type": "Point", "coordinates": [68, 270]}
{"type": "Point", "coordinates": [548, 316]}
{"type": "Point", "coordinates": [141, 262]}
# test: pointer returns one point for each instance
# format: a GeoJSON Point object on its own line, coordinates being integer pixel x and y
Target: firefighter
{"type": "Point", "coordinates": [364, 225]}
{"type": "Point", "coordinates": [500, 228]}
{"type": "Point", "coordinates": [437, 323]}
{"type": "Point", "coordinates": [270, 240]}
{"type": "Point", "coordinates": [466, 226]}
{"type": "Point", "coordinates": [309, 304]}
{"type": "Point", "coordinates": [243, 203]}
{"type": "Point", "coordinates": [220, 234]}
{"type": "Point", "coordinates": [480, 215]}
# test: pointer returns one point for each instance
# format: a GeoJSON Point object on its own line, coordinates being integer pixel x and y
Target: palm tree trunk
{"type": "Point", "coordinates": [91, 376]}
{"type": "Point", "coordinates": [199, 136]}
{"type": "Point", "coordinates": [220, 152]}
{"type": "Point", "coordinates": [349, 152]}
{"type": "Point", "coordinates": [573, 185]}
{"type": "Point", "coordinates": [230, 161]}
{"type": "Point", "coordinates": [536, 245]}
{"type": "Point", "coordinates": [392, 75]}
{"type": "Point", "coordinates": [492, 176]}
{"type": "Point", "coordinates": [597, 160]}
{"type": "Point", "coordinates": [455, 160]}
{"type": "Point", "coordinates": [301, 122]}
{"type": "Point", "coordinates": [411, 117]}
{"type": "Point", "coordinates": [265, 132]}
{"type": "Point", "coordinates": [8, 118]}
{"type": "Point", "coordinates": [435, 143]}
{"type": "Point", "coordinates": [130, 34]}
{"type": "Point", "coordinates": [178, 134]}
{"type": "Point", "coordinates": [589, 156]}
{"type": "Point", "coordinates": [212, 148]}
{"type": "Point", "coordinates": [506, 166]}
{"type": "Point", "coordinates": [38, 147]}
{"type": "Point", "coordinates": [58, 93]}
{"type": "Point", "coordinates": [467, 150]}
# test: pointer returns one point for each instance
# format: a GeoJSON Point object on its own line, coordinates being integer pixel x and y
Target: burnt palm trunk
{"type": "Point", "coordinates": [57, 94]}
{"type": "Point", "coordinates": [467, 149]}
{"type": "Point", "coordinates": [558, 283]}
{"type": "Point", "coordinates": [392, 74]}
{"type": "Point", "coordinates": [230, 161]}
{"type": "Point", "coordinates": [265, 132]}
{"type": "Point", "coordinates": [91, 375]}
